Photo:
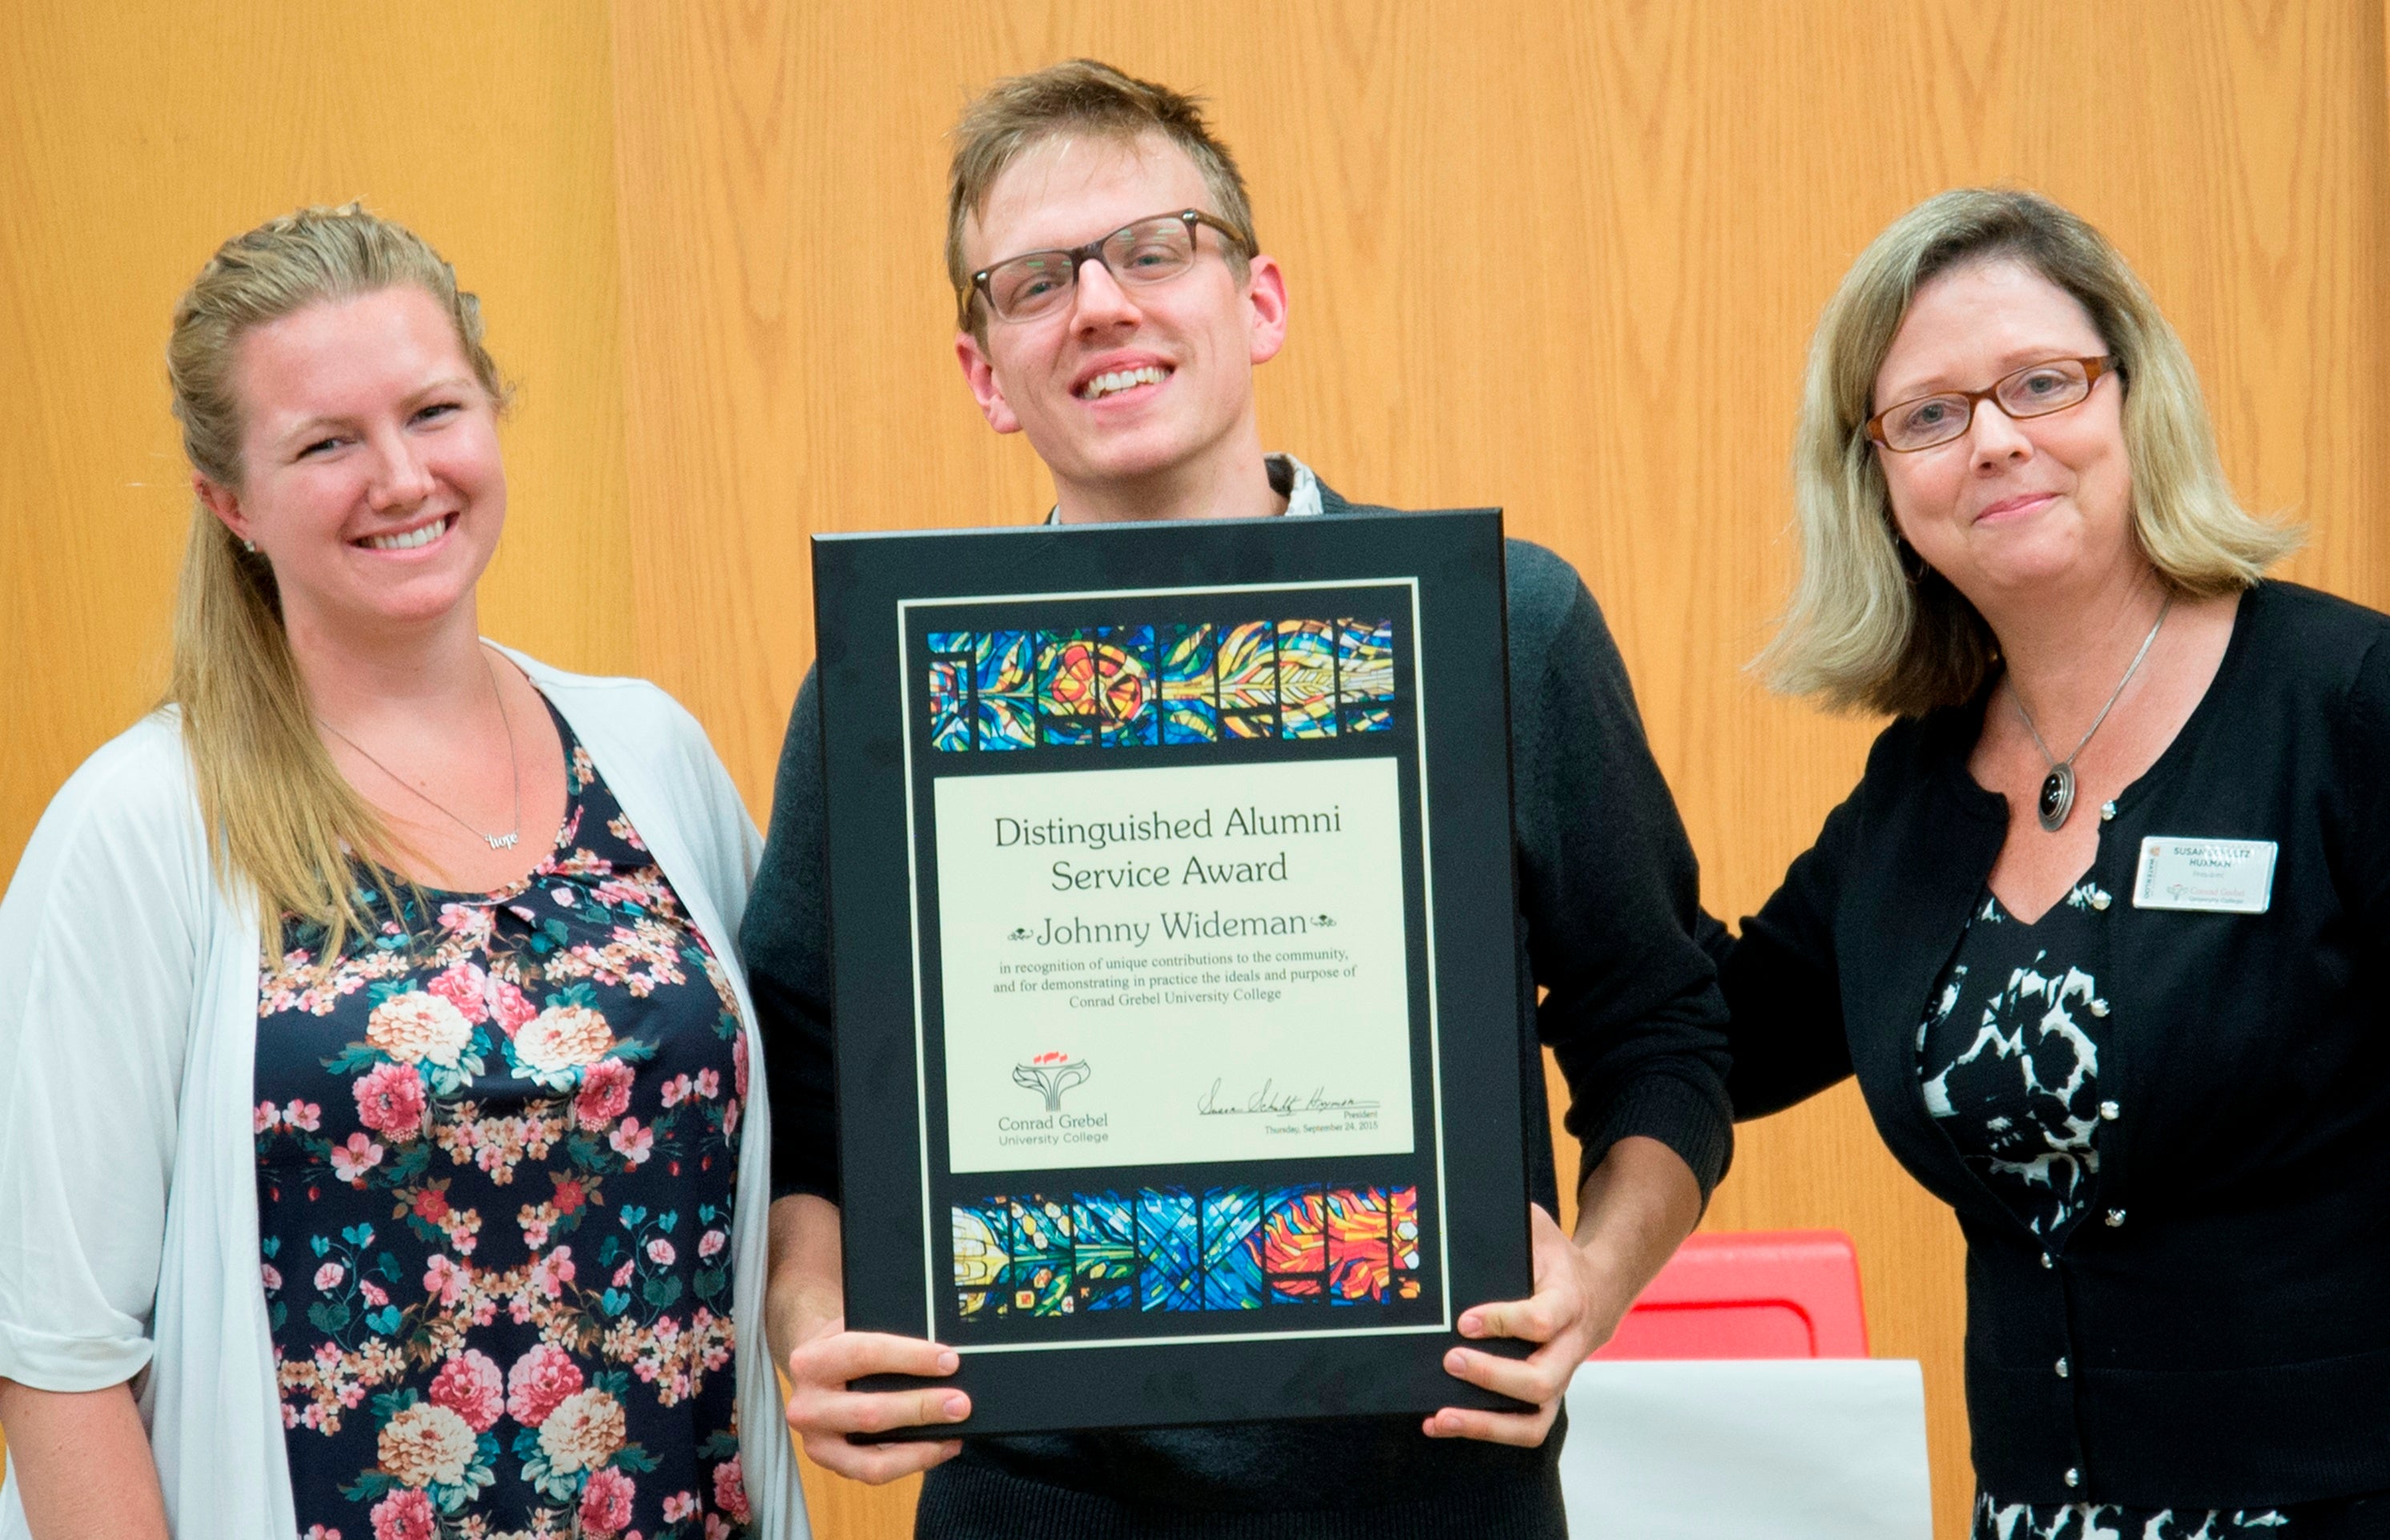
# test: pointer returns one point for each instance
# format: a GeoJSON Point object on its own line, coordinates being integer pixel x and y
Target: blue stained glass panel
{"type": "Point", "coordinates": [1306, 678]}
{"type": "Point", "coordinates": [1169, 1244]}
{"type": "Point", "coordinates": [1232, 1249]}
{"type": "Point", "coordinates": [1104, 1227]}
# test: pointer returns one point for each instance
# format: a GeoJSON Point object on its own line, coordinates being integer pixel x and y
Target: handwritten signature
{"type": "Point", "coordinates": [1270, 1101]}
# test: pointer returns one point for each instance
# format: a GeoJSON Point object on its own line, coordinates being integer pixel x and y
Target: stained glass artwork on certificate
{"type": "Point", "coordinates": [1365, 676]}
{"type": "Point", "coordinates": [1191, 693]}
{"type": "Point", "coordinates": [1306, 678]}
{"type": "Point", "coordinates": [1227, 1248]}
{"type": "Point", "coordinates": [1142, 685]}
{"type": "Point", "coordinates": [1131, 708]}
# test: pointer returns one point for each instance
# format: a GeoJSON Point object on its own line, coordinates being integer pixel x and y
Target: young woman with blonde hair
{"type": "Point", "coordinates": [2092, 933]}
{"type": "Point", "coordinates": [378, 1150]}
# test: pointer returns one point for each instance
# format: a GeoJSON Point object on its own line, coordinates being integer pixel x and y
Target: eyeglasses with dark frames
{"type": "Point", "coordinates": [2035, 391]}
{"type": "Point", "coordinates": [1148, 251]}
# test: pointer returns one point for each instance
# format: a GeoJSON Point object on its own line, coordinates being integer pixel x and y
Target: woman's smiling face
{"type": "Point", "coordinates": [2007, 505]}
{"type": "Point", "coordinates": [370, 474]}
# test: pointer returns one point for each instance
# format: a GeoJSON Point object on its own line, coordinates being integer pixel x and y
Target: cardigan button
{"type": "Point", "coordinates": [2098, 900]}
{"type": "Point", "coordinates": [2074, 1477]}
{"type": "Point", "coordinates": [2115, 1217]}
{"type": "Point", "coordinates": [2109, 1112]}
{"type": "Point", "coordinates": [2098, 1009]}
{"type": "Point", "coordinates": [2048, 1261]}
{"type": "Point", "coordinates": [2061, 1368]}
{"type": "Point", "coordinates": [2107, 812]}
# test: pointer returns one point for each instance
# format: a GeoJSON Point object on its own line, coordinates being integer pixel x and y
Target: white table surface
{"type": "Point", "coordinates": [1784, 1449]}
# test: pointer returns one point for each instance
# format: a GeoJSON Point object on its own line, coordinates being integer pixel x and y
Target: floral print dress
{"type": "Point", "coordinates": [497, 1148]}
{"type": "Point", "coordinates": [2009, 1057]}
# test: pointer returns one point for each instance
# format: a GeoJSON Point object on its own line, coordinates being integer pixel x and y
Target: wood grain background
{"type": "Point", "coordinates": [1561, 257]}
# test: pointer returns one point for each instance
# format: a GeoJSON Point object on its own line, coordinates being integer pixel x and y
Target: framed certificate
{"type": "Point", "coordinates": [1178, 1008]}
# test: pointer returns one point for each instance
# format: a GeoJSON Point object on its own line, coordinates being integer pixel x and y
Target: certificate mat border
{"type": "Point", "coordinates": [929, 1253]}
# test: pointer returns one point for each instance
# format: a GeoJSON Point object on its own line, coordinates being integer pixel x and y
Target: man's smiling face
{"type": "Point", "coordinates": [1121, 383]}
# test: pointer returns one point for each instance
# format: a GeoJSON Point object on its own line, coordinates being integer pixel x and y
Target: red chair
{"type": "Point", "coordinates": [1750, 1295]}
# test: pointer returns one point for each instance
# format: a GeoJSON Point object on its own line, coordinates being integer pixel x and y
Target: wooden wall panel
{"type": "Point", "coordinates": [133, 138]}
{"type": "Point", "coordinates": [1564, 258]}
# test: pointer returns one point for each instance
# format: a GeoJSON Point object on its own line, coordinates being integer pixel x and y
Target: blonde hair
{"type": "Point", "coordinates": [278, 812]}
{"type": "Point", "coordinates": [1869, 625]}
{"type": "Point", "coordinates": [1017, 114]}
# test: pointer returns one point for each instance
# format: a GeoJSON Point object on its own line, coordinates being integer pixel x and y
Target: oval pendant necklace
{"type": "Point", "coordinates": [2058, 787]}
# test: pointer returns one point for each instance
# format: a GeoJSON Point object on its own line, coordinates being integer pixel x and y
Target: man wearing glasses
{"type": "Point", "coordinates": [1112, 307]}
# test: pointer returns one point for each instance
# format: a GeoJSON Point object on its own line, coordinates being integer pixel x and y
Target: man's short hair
{"type": "Point", "coordinates": [1082, 95]}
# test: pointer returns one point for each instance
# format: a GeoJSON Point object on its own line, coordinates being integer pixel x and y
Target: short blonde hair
{"type": "Point", "coordinates": [278, 812]}
{"type": "Point", "coordinates": [1017, 114]}
{"type": "Point", "coordinates": [1869, 625]}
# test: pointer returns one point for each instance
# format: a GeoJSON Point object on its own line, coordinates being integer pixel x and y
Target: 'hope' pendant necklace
{"type": "Point", "coordinates": [2058, 787]}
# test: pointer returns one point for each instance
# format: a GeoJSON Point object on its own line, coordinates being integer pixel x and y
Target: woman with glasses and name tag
{"type": "Point", "coordinates": [378, 1149]}
{"type": "Point", "coordinates": [2091, 932]}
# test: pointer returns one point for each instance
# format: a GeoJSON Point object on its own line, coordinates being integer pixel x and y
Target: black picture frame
{"type": "Point", "coordinates": [920, 662]}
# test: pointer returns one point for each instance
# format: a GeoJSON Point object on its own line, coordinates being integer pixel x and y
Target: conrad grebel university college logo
{"type": "Point", "coordinates": [1050, 1075]}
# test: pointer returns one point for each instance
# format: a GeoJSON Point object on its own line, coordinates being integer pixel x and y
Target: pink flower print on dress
{"type": "Point", "coordinates": [632, 1142]}
{"type": "Point", "coordinates": [730, 1490]}
{"type": "Point", "coordinates": [675, 1090]}
{"type": "Point", "coordinates": [606, 1502]}
{"type": "Point", "coordinates": [352, 1161]}
{"type": "Point", "coordinates": [730, 1117]}
{"type": "Point", "coordinates": [405, 1515]}
{"type": "Point", "coordinates": [550, 1273]}
{"type": "Point", "coordinates": [305, 1116]}
{"type": "Point", "coordinates": [375, 1296]}
{"type": "Point", "coordinates": [463, 986]}
{"type": "Point", "coordinates": [444, 1281]}
{"type": "Point", "coordinates": [470, 1386]}
{"type": "Point", "coordinates": [679, 1506]}
{"type": "Point", "coordinates": [267, 1116]}
{"type": "Point", "coordinates": [317, 1532]}
{"type": "Point", "coordinates": [540, 1382]}
{"type": "Point", "coordinates": [418, 1026]}
{"type": "Point", "coordinates": [709, 1084]}
{"type": "Point", "coordinates": [711, 1244]}
{"type": "Point", "coordinates": [328, 1277]}
{"type": "Point", "coordinates": [271, 1276]}
{"type": "Point", "coordinates": [605, 1093]}
{"type": "Point", "coordinates": [621, 1278]}
{"type": "Point", "coordinates": [739, 1064]}
{"type": "Point", "coordinates": [660, 1252]}
{"type": "Point", "coordinates": [390, 1100]}
{"type": "Point", "coordinates": [509, 1007]}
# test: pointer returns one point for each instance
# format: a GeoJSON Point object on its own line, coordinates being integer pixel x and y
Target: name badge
{"type": "Point", "coordinates": [2230, 877]}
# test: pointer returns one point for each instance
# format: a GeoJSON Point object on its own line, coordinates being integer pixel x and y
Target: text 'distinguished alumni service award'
{"type": "Point", "coordinates": [1178, 1001]}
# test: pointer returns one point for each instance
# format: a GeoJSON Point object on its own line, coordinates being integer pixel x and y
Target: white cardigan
{"type": "Point", "coordinates": [128, 1166]}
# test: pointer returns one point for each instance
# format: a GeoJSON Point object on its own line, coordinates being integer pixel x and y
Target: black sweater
{"type": "Point", "coordinates": [1607, 896]}
{"type": "Point", "coordinates": [2223, 1311]}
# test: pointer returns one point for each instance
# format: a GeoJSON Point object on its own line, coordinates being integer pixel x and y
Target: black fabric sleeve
{"type": "Point", "coordinates": [2362, 779]}
{"type": "Point", "coordinates": [785, 940]}
{"type": "Point", "coordinates": [1781, 984]}
{"type": "Point", "coordinates": [1611, 892]}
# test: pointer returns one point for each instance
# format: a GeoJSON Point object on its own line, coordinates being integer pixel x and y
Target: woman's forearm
{"type": "Point", "coordinates": [80, 1463]}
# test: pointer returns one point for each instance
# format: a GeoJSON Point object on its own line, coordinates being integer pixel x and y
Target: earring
{"type": "Point", "coordinates": [250, 546]}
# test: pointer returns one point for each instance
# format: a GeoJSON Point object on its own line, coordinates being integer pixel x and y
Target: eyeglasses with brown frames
{"type": "Point", "coordinates": [2035, 391]}
{"type": "Point", "coordinates": [1149, 250]}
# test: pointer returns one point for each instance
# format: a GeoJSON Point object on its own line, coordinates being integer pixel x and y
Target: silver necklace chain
{"type": "Point", "coordinates": [514, 766]}
{"type": "Point", "coordinates": [2058, 787]}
